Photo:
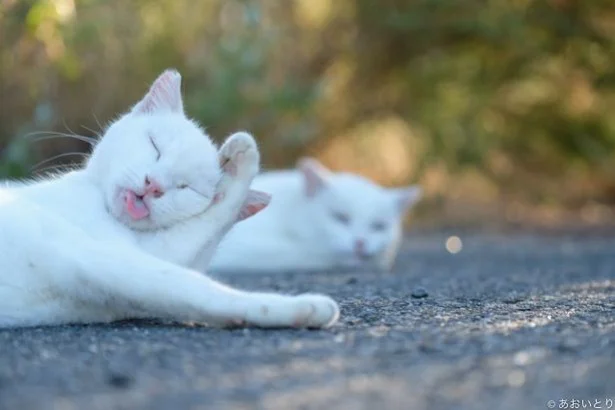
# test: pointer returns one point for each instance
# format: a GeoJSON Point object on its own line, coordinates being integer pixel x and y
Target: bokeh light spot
{"type": "Point", "coordinates": [454, 244]}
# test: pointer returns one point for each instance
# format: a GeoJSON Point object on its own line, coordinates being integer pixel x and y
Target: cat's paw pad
{"type": "Point", "coordinates": [315, 311]}
{"type": "Point", "coordinates": [239, 156]}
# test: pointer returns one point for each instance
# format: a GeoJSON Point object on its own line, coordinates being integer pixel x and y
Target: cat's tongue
{"type": "Point", "coordinates": [135, 207]}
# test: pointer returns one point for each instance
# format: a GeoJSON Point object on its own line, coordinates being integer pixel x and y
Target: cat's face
{"type": "Point", "coordinates": [357, 217]}
{"type": "Point", "coordinates": [156, 166]}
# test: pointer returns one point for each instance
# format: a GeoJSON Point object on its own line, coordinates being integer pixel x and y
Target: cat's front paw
{"type": "Point", "coordinates": [239, 156]}
{"type": "Point", "coordinates": [315, 311]}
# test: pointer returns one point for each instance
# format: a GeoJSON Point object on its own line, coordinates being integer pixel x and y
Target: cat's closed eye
{"type": "Point", "coordinates": [378, 226]}
{"type": "Point", "coordinates": [182, 186]}
{"type": "Point", "coordinates": [151, 139]}
{"type": "Point", "coordinates": [341, 217]}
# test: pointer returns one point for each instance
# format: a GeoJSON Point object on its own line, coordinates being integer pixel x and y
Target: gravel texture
{"type": "Point", "coordinates": [510, 322]}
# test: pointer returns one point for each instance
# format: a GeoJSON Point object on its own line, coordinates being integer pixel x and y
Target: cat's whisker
{"type": "Point", "coordinates": [60, 168]}
{"type": "Point", "coordinates": [64, 154]}
{"type": "Point", "coordinates": [102, 129]}
{"type": "Point", "coordinates": [74, 133]}
{"type": "Point", "coordinates": [45, 135]}
{"type": "Point", "coordinates": [92, 131]}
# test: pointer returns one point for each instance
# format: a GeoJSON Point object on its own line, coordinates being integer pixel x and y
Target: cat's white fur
{"type": "Point", "coordinates": [318, 219]}
{"type": "Point", "coordinates": [120, 237]}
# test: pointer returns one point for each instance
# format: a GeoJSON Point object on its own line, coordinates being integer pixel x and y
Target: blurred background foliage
{"type": "Point", "coordinates": [501, 109]}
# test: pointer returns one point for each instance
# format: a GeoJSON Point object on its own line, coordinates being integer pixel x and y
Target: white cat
{"type": "Point", "coordinates": [119, 237]}
{"type": "Point", "coordinates": [317, 219]}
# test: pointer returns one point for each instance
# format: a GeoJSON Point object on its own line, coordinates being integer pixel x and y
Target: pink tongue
{"type": "Point", "coordinates": [135, 207]}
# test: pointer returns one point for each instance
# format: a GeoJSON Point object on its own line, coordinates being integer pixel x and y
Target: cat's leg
{"type": "Point", "coordinates": [386, 260]}
{"type": "Point", "coordinates": [53, 273]}
{"type": "Point", "coordinates": [156, 288]}
{"type": "Point", "coordinates": [239, 159]}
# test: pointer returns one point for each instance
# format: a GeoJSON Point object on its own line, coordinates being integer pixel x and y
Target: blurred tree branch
{"type": "Point", "coordinates": [529, 82]}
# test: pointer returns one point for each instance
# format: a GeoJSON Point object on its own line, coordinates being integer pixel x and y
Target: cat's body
{"type": "Point", "coordinates": [119, 238]}
{"type": "Point", "coordinates": [317, 220]}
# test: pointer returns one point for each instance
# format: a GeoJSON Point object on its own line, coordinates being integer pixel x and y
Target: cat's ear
{"type": "Point", "coordinates": [406, 197]}
{"type": "Point", "coordinates": [163, 96]}
{"type": "Point", "coordinates": [314, 173]}
{"type": "Point", "coordinates": [255, 202]}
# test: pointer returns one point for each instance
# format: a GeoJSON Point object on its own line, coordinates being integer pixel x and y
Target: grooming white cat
{"type": "Point", "coordinates": [317, 219]}
{"type": "Point", "coordinates": [120, 237]}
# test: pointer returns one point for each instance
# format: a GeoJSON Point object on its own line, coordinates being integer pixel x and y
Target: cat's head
{"type": "Point", "coordinates": [156, 167]}
{"type": "Point", "coordinates": [357, 217]}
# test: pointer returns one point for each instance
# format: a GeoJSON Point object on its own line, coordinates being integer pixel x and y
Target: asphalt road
{"type": "Point", "coordinates": [510, 322]}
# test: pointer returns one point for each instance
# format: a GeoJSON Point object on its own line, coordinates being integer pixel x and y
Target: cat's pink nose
{"type": "Point", "coordinates": [359, 247]}
{"type": "Point", "coordinates": [152, 187]}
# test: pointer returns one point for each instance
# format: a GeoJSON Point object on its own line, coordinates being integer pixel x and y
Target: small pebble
{"type": "Point", "coordinates": [353, 321]}
{"type": "Point", "coordinates": [121, 381]}
{"type": "Point", "coordinates": [419, 293]}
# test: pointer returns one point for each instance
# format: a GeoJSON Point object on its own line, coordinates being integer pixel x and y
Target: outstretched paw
{"type": "Point", "coordinates": [239, 156]}
{"type": "Point", "coordinates": [315, 311]}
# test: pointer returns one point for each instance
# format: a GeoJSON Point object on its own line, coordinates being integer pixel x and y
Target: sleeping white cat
{"type": "Point", "coordinates": [317, 219]}
{"type": "Point", "coordinates": [118, 238]}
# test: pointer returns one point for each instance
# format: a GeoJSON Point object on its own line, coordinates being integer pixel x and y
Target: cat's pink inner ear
{"type": "Point", "coordinates": [255, 202]}
{"type": "Point", "coordinates": [314, 173]}
{"type": "Point", "coordinates": [407, 197]}
{"type": "Point", "coordinates": [163, 95]}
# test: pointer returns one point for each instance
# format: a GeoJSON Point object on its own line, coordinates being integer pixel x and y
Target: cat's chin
{"type": "Point", "coordinates": [144, 227]}
{"type": "Point", "coordinates": [145, 224]}
{"type": "Point", "coordinates": [118, 212]}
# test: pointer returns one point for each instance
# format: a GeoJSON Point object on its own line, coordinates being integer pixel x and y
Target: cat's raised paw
{"type": "Point", "coordinates": [239, 156]}
{"type": "Point", "coordinates": [315, 311]}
